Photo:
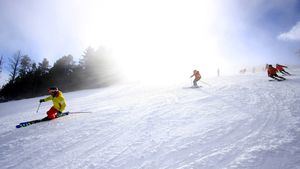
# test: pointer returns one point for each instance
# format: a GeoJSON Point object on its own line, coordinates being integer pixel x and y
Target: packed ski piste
{"type": "Point", "coordinates": [238, 121]}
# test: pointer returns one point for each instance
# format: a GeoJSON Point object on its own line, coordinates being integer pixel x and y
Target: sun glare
{"type": "Point", "coordinates": [157, 41]}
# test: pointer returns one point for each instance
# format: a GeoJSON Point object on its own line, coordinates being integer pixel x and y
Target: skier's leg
{"type": "Point", "coordinates": [274, 77]}
{"type": "Point", "coordinates": [282, 72]}
{"type": "Point", "coordinates": [52, 113]}
{"type": "Point", "coordinates": [286, 72]}
{"type": "Point", "coordinates": [195, 83]}
{"type": "Point", "coordinates": [280, 77]}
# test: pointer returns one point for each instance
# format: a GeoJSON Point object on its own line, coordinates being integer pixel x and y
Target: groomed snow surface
{"type": "Point", "coordinates": [239, 122]}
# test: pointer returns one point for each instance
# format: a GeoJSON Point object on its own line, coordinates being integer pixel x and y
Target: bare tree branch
{"type": "Point", "coordinates": [14, 63]}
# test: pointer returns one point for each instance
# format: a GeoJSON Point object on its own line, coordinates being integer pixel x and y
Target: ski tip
{"type": "Point", "coordinates": [18, 126]}
{"type": "Point", "coordinates": [275, 80]}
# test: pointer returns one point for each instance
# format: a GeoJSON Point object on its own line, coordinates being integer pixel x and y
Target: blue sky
{"type": "Point", "coordinates": [210, 32]}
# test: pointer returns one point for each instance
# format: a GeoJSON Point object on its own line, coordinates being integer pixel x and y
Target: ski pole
{"type": "Point", "coordinates": [38, 108]}
{"type": "Point", "coordinates": [205, 82]}
{"type": "Point", "coordinates": [79, 112]}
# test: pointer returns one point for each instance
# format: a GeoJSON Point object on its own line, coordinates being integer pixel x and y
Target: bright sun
{"type": "Point", "coordinates": [155, 41]}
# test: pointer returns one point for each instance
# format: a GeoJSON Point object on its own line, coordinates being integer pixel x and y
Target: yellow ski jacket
{"type": "Point", "coordinates": [58, 101]}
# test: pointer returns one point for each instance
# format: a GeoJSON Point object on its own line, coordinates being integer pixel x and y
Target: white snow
{"type": "Point", "coordinates": [242, 121]}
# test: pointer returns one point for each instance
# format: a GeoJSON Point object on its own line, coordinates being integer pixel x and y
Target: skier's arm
{"type": "Point", "coordinates": [283, 66]}
{"type": "Point", "coordinates": [269, 73]}
{"type": "Point", "coordinates": [62, 104]}
{"type": "Point", "coordinates": [46, 99]}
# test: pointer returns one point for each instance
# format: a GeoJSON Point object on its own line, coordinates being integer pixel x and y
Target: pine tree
{"type": "Point", "coordinates": [44, 67]}
{"type": "Point", "coordinates": [25, 65]}
{"type": "Point", "coordinates": [61, 72]}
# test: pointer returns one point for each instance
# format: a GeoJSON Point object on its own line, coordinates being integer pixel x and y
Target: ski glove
{"type": "Point", "coordinates": [42, 100]}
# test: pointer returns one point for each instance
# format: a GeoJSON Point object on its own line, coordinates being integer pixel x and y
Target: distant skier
{"type": "Point", "coordinates": [58, 100]}
{"type": "Point", "coordinates": [280, 68]}
{"type": "Point", "coordinates": [272, 73]}
{"type": "Point", "coordinates": [197, 77]}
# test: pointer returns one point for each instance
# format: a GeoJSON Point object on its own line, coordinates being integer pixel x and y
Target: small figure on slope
{"type": "Point", "coordinates": [58, 100]}
{"type": "Point", "coordinates": [197, 77]}
{"type": "Point", "coordinates": [272, 73]}
{"type": "Point", "coordinates": [280, 68]}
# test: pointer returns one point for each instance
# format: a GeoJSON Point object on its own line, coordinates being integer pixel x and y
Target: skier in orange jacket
{"type": "Point", "coordinates": [197, 77]}
{"type": "Point", "coordinates": [58, 100]}
{"type": "Point", "coordinates": [280, 68]}
{"type": "Point", "coordinates": [272, 73]}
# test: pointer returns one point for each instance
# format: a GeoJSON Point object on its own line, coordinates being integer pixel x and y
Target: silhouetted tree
{"type": "Point", "coordinates": [88, 64]}
{"type": "Point", "coordinates": [97, 70]}
{"type": "Point", "coordinates": [61, 71]}
{"type": "Point", "coordinates": [1, 63]}
{"type": "Point", "coordinates": [33, 67]}
{"type": "Point", "coordinates": [25, 65]}
{"type": "Point", "coordinates": [44, 66]}
{"type": "Point", "coordinates": [29, 79]}
{"type": "Point", "coordinates": [14, 64]}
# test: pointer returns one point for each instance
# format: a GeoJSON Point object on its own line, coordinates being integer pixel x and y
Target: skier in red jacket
{"type": "Point", "coordinates": [197, 77]}
{"type": "Point", "coordinates": [272, 73]}
{"type": "Point", "coordinates": [280, 68]}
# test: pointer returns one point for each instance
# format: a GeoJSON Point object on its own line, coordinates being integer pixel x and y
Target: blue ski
{"type": "Point", "coordinates": [28, 123]}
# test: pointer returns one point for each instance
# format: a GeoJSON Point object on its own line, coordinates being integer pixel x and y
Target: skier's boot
{"type": "Point", "coordinates": [58, 114]}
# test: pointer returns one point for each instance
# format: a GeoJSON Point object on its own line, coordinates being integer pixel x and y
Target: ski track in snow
{"type": "Point", "coordinates": [238, 122]}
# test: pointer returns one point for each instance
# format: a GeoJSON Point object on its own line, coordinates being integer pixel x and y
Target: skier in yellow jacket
{"type": "Point", "coordinates": [58, 100]}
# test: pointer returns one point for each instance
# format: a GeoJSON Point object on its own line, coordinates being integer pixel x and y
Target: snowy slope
{"type": "Point", "coordinates": [238, 122]}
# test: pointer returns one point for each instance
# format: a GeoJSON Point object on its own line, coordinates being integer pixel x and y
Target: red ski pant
{"type": "Point", "coordinates": [52, 113]}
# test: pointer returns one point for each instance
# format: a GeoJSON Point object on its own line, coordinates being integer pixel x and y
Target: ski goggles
{"type": "Point", "coordinates": [52, 90]}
